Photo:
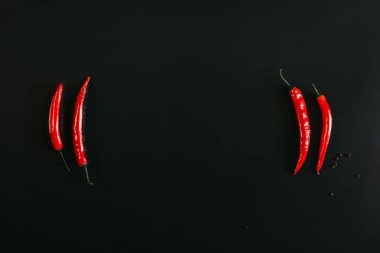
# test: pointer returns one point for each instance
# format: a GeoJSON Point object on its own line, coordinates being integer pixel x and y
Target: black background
{"type": "Point", "coordinates": [191, 135]}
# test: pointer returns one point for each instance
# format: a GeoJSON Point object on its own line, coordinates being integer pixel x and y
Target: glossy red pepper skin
{"type": "Point", "coordinates": [55, 119]}
{"type": "Point", "coordinates": [55, 123]}
{"type": "Point", "coordinates": [78, 137]}
{"type": "Point", "coordinates": [326, 130]}
{"type": "Point", "coordinates": [303, 125]}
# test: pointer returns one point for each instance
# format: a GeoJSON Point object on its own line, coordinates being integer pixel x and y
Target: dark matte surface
{"type": "Point", "coordinates": [191, 134]}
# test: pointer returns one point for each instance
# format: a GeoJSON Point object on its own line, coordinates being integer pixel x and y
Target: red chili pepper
{"type": "Point", "coordinates": [326, 128]}
{"type": "Point", "coordinates": [303, 122]}
{"type": "Point", "coordinates": [55, 123]}
{"type": "Point", "coordinates": [78, 136]}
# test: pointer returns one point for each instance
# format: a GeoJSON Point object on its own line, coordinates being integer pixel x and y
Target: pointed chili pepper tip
{"type": "Point", "coordinates": [287, 83]}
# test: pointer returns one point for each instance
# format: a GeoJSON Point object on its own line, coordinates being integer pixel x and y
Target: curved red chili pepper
{"type": "Point", "coordinates": [55, 122]}
{"type": "Point", "coordinates": [78, 136]}
{"type": "Point", "coordinates": [303, 123]}
{"type": "Point", "coordinates": [326, 128]}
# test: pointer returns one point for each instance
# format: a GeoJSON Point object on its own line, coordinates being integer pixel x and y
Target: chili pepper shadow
{"type": "Point", "coordinates": [316, 130]}
{"type": "Point", "coordinates": [68, 104]}
{"type": "Point", "coordinates": [91, 130]}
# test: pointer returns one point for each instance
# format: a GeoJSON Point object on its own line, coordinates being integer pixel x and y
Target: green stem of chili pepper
{"type": "Point", "coordinates": [64, 161]}
{"type": "Point", "coordinates": [287, 83]}
{"type": "Point", "coordinates": [316, 90]}
{"type": "Point", "coordinates": [87, 176]}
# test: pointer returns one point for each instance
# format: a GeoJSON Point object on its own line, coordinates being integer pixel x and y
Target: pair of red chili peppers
{"type": "Point", "coordinates": [304, 125]}
{"type": "Point", "coordinates": [78, 135]}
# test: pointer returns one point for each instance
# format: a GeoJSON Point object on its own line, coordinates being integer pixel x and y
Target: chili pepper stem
{"type": "Point", "coordinates": [287, 83]}
{"type": "Point", "coordinates": [64, 161]}
{"type": "Point", "coordinates": [87, 176]}
{"type": "Point", "coordinates": [315, 88]}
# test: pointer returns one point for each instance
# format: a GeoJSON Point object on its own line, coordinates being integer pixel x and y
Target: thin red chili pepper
{"type": "Point", "coordinates": [326, 128]}
{"type": "Point", "coordinates": [78, 136]}
{"type": "Point", "coordinates": [303, 122]}
{"type": "Point", "coordinates": [55, 123]}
